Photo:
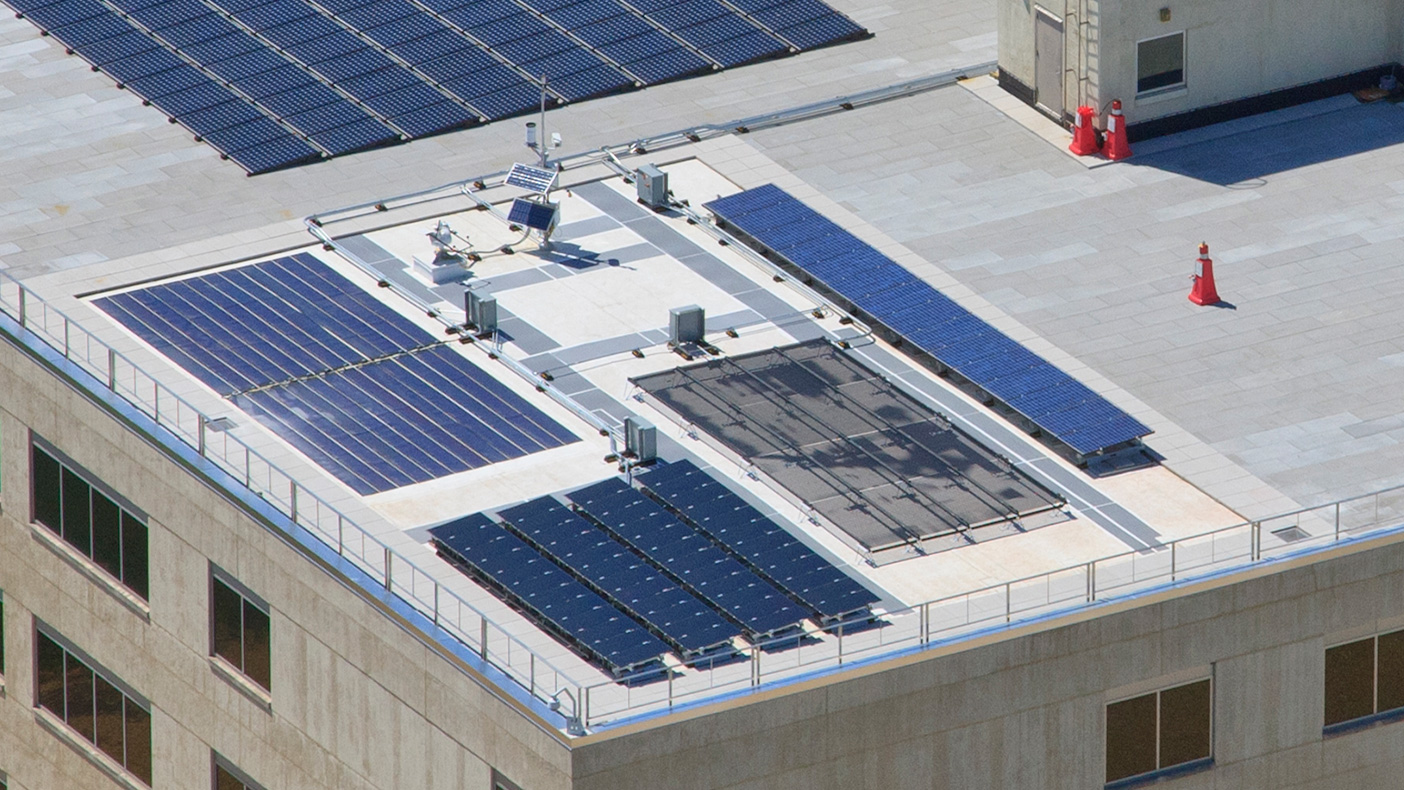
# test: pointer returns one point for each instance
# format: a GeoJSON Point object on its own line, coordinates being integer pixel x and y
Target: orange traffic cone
{"type": "Point", "coordinates": [1117, 147]}
{"type": "Point", "coordinates": [1203, 291]}
{"type": "Point", "coordinates": [1084, 140]}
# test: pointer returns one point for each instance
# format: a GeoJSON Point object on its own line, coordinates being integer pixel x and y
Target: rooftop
{"type": "Point", "coordinates": [1281, 399]}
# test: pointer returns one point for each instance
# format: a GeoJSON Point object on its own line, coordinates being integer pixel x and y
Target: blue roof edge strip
{"type": "Point", "coordinates": [771, 217]}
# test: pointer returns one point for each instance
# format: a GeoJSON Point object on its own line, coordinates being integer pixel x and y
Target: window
{"type": "Point", "coordinates": [227, 777]}
{"type": "Point", "coordinates": [93, 703]}
{"type": "Point", "coordinates": [239, 626]}
{"type": "Point", "coordinates": [89, 520]}
{"type": "Point", "coordinates": [1157, 731]}
{"type": "Point", "coordinates": [1364, 677]}
{"type": "Point", "coordinates": [1160, 63]}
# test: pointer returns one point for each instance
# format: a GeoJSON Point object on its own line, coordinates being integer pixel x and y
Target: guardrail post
{"type": "Point", "coordinates": [926, 622]}
{"type": "Point", "coordinates": [1173, 544]}
{"type": "Point", "coordinates": [112, 369]}
{"type": "Point", "coordinates": [340, 534]}
{"type": "Point", "coordinates": [755, 668]}
{"type": "Point", "coordinates": [436, 619]}
{"type": "Point", "coordinates": [292, 499]}
{"type": "Point", "coordinates": [1091, 581]}
{"type": "Point", "coordinates": [531, 671]}
{"type": "Point", "coordinates": [1008, 602]}
{"type": "Point", "coordinates": [840, 640]}
{"type": "Point", "coordinates": [482, 636]}
{"type": "Point", "coordinates": [670, 689]}
{"type": "Point", "coordinates": [388, 557]}
{"type": "Point", "coordinates": [1338, 521]}
{"type": "Point", "coordinates": [22, 308]}
{"type": "Point", "coordinates": [1255, 541]}
{"type": "Point", "coordinates": [200, 436]}
{"type": "Point", "coordinates": [65, 337]}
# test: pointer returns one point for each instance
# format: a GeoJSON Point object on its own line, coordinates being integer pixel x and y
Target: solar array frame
{"type": "Point", "coordinates": [721, 514]}
{"type": "Point", "coordinates": [350, 75]}
{"type": "Point", "coordinates": [631, 583]}
{"type": "Point", "coordinates": [359, 389]}
{"type": "Point", "coordinates": [557, 601]}
{"type": "Point", "coordinates": [1049, 398]}
{"type": "Point", "coordinates": [715, 576]}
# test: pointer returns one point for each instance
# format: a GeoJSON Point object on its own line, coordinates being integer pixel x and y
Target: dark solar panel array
{"type": "Point", "coordinates": [1060, 405]}
{"type": "Point", "coordinates": [555, 599]}
{"type": "Point", "coordinates": [620, 575]}
{"type": "Point", "coordinates": [324, 364]}
{"type": "Point", "coordinates": [704, 569]}
{"type": "Point", "coordinates": [763, 544]}
{"type": "Point", "coordinates": [277, 83]}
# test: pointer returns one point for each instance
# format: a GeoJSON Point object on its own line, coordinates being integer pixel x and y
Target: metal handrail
{"type": "Point", "coordinates": [1039, 596]}
{"type": "Point", "coordinates": [399, 575]}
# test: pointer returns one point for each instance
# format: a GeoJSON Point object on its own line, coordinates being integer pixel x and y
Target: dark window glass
{"type": "Point", "coordinates": [48, 501]}
{"type": "Point", "coordinates": [1184, 724]}
{"type": "Point", "coordinates": [134, 567]}
{"type": "Point", "coordinates": [1350, 681]}
{"type": "Point", "coordinates": [1391, 671]}
{"type": "Point", "coordinates": [228, 624]}
{"type": "Point", "coordinates": [225, 780]}
{"type": "Point", "coordinates": [93, 706]}
{"type": "Point", "coordinates": [48, 673]}
{"type": "Point", "coordinates": [77, 513]}
{"type": "Point", "coordinates": [138, 740]}
{"type": "Point", "coordinates": [1130, 737]}
{"type": "Point", "coordinates": [79, 688]}
{"type": "Point", "coordinates": [109, 718]}
{"type": "Point", "coordinates": [107, 534]}
{"type": "Point", "coordinates": [256, 647]}
{"type": "Point", "coordinates": [1160, 63]}
{"type": "Point", "coordinates": [90, 522]}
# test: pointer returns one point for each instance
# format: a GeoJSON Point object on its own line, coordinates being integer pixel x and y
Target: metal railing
{"type": "Point", "coordinates": [916, 627]}
{"type": "Point", "coordinates": [1020, 601]}
{"type": "Point", "coordinates": [395, 572]}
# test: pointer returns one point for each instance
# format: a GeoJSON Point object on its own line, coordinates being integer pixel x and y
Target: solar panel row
{"type": "Point", "coordinates": [615, 545]}
{"type": "Point", "coordinates": [726, 518]}
{"type": "Point", "coordinates": [322, 363]}
{"type": "Point", "coordinates": [709, 572]}
{"type": "Point", "coordinates": [1061, 406]}
{"type": "Point", "coordinates": [555, 599]}
{"type": "Point", "coordinates": [276, 83]}
{"type": "Point", "coordinates": [620, 575]}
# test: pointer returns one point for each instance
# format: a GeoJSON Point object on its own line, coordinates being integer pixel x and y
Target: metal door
{"type": "Point", "coordinates": [1048, 62]}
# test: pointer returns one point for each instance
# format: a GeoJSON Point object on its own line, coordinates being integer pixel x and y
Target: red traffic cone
{"type": "Point", "coordinates": [1084, 140]}
{"type": "Point", "coordinates": [1117, 147]}
{"type": "Point", "coordinates": [1203, 291]}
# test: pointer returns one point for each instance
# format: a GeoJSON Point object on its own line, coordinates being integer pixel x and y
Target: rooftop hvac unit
{"type": "Point", "coordinates": [686, 325]}
{"type": "Point", "coordinates": [652, 184]}
{"type": "Point", "coordinates": [640, 440]}
{"type": "Point", "coordinates": [481, 310]}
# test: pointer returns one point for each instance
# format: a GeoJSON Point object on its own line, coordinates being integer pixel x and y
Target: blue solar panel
{"type": "Point", "coordinates": [167, 82]}
{"type": "Point", "coordinates": [732, 521]}
{"type": "Point", "coordinates": [434, 119]}
{"type": "Point", "coordinates": [617, 573]}
{"type": "Point", "coordinates": [822, 31]}
{"type": "Point", "coordinates": [355, 136]}
{"type": "Point", "coordinates": [193, 99]}
{"type": "Point", "coordinates": [1058, 404]}
{"type": "Point", "coordinates": [560, 603]}
{"type": "Point", "coordinates": [223, 116]}
{"type": "Point", "coordinates": [532, 215]}
{"type": "Point", "coordinates": [327, 117]}
{"type": "Point", "coordinates": [704, 569]}
{"type": "Point", "coordinates": [247, 135]}
{"type": "Point", "coordinates": [379, 424]}
{"type": "Point", "coordinates": [449, 41]}
{"type": "Point", "coordinates": [300, 99]}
